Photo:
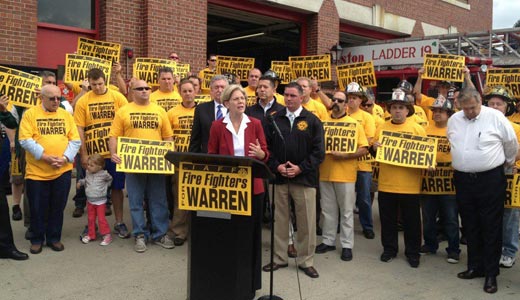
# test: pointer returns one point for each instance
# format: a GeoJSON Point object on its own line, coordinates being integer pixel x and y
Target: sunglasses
{"type": "Point", "coordinates": [174, 57]}
{"type": "Point", "coordinates": [55, 98]}
{"type": "Point", "coordinates": [338, 100]}
{"type": "Point", "coordinates": [142, 88]}
{"type": "Point", "coordinates": [367, 104]}
{"type": "Point", "coordinates": [212, 60]}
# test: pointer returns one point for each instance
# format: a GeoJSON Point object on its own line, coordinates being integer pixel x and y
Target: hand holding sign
{"type": "Point", "coordinates": [3, 102]}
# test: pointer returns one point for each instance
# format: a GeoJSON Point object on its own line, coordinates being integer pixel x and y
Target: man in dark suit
{"type": "Point", "coordinates": [206, 113]}
{"type": "Point", "coordinates": [7, 247]}
{"type": "Point", "coordinates": [267, 103]}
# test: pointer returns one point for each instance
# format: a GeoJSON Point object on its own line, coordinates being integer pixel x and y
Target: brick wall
{"type": "Point", "coordinates": [440, 13]}
{"type": "Point", "coordinates": [18, 32]}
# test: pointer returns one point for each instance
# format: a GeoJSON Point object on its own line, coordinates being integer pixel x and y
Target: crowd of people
{"type": "Point", "coordinates": [316, 191]}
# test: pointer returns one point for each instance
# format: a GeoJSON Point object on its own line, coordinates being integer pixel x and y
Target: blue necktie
{"type": "Point", "coordinates": [219, 112]}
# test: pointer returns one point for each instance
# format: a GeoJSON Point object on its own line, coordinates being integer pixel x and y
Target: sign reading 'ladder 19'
{"type": "Point", "coordinates": [215, 188]}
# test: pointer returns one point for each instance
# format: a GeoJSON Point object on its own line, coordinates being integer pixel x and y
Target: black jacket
{"type": "Point", "coordinates": [304, 146]}
{"type": "Point", "coordinates": [257, 111]}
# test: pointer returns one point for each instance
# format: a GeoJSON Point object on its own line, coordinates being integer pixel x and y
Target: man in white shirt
{"type": "Point", "coordinates": [483, 143]}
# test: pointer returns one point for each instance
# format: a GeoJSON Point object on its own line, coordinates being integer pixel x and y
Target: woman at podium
{"type": "Point", "coordinates": [239, 135]}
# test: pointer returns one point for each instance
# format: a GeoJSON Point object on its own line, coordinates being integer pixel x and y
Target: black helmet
{"type": "Point", "coordinates": [272, 74]}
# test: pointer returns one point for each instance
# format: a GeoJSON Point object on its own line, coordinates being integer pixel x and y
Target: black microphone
{"type": "Point", "coordinates": [272, 121]}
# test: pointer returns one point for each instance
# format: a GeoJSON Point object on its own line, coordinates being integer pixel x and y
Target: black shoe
{"type": "Point", "coordinates": [387, 257]}
{"type": "Point", "coordinates": [369, 234]}
{"type": "Point", "coordinates": [413, 261]}
{"type": "Point", "coordinates": [28, 234]}
{"type": "Point", "coordinates": [470, 274]}
{"type": "Point", "coordinates": [426, 250]}
{"type": "Point", "coordinates": [17, 213]}
{"type": "Point", "coordinates": [178, 241]}
{"type": "Point", "coordinates": [322, 248]}
{"type": "Point", "coordinates": [490, 284]}
{"type": "Point", "coordinates": [78, 212]}
{"type": "Point", "coordinates": [310, 271]}
{"type": "Point", "coordinates": [346, 254]}
{"type": "Point", "coordinates": [13, 254]}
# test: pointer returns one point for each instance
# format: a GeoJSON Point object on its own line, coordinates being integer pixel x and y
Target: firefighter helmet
{"type": "Point", "coordinates": [272, 74]}
{"type": "Point", "coordinates": [355, 88]}
{"type": "Point", "coordinates": [399, 96]}
{"type": "Point", "coordinates": [406, 86]}
{"type": "Point", "coordinates": [503, 93]}
{"type": "Point", "coordinates": [443, 103]}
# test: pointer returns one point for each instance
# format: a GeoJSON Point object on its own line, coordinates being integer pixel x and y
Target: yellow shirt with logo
{"type": "Point", "coordinates": [317, 109]}
{"type": "Point", "coordinates": [342, 170]}
{"type": "Point", "coordinates": [378, 111]}
{"type": "Point", "coordinates": [142, 121]}
{"type": "Point", "coordinates": [396, 179]}
{"type": "Point", "coordinates": [181, 120]}
{"type": "Point", "coordinates": [166, 100]}
{"type": "Point", "coordinates": [51, 130]}
{"type": "Point", "coordinates": [368, 123]}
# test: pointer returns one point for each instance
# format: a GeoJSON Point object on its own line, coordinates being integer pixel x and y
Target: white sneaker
{"type": "Point", "coordinates": [85, 239]}
{"type": "Point", "coordinates": [165, 242]}
{"type": "Point", "coordinates": [140, 244]}
{"type": "Point", "coordinates": [506, 261]}
{"type": "Point", "coordinates": [107, 239]}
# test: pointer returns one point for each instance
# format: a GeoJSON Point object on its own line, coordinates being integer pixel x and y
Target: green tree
{"type": "Point", "coordinates": [517, 24]}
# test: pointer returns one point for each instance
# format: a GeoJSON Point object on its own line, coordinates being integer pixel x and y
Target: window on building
{"type": "Point", "coordinates": [73, 13]}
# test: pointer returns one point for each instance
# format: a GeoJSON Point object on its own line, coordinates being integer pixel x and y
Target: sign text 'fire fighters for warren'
{"type": "Point", "coordinates": [19, 86]}
{"type": "Point", "coordinates": [407, 150]}
{"type": "Point", "coordinates": [438, 181]}
{"type": "Point", "coordinates": [341, 137]}
{"type": "Point", "coordinates": [143, 156]}
{"type": "Point", "coordinates": [362, 73]}
{"type": "Point", "coordinates": [315, 66]}
{"type": "Point", "coordinates": [96, 138]}
{"type": "Point", "coordinates": [444, 67]}
{"type": "Point", "coordinates": [146, 68]}
{"type": "Point", "coordinates": [508, 77]}
{"type": "Point", "coordinates": [283, 70]}
{"type": "Point", "coordinates": [100, 49]}
{"type": "Point", "coordinates": [239, 66]}
{"type": "Point", "coordinates": [77, 67]}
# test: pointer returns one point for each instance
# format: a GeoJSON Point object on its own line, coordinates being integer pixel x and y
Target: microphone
{"type": "Point", "coordinates": [272, 121]}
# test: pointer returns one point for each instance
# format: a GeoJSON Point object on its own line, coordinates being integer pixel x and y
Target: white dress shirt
{"type": "Point", "coordinates": [238, 137]}
{"type": "Point", "coordinates": [482, 143]}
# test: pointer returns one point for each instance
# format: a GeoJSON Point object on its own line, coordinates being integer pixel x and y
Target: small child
{"type": "Point", "coordinates": [96, 183]}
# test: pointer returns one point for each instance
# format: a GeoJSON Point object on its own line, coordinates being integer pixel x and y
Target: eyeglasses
{"type": "Point", "coordinates": [338, 100]}
{"type": "Point", "coordinates": [174, 57]}
{"type": "Point", "coordinates": [367, 104]}
{"type": "Point", "coordinates": [142, 88]}
{"type": "Point", "coordinates": [55, 98]}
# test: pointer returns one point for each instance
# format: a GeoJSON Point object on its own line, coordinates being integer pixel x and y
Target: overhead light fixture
{"type": "Point", "coordinates": [241, 37]}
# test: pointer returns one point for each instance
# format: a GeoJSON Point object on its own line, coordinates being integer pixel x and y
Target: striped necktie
{"type": "Point", "coordinates": [219, 112]}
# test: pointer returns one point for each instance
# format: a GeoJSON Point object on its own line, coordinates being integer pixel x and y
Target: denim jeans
{"type": "Point", "coordinates": [153, 185]}
{"type": "Point", "coordinates": [363, 200]}
{"type": "Point", "coordinates": [80, 199]}
{"type": "Point", "coordinates": [510, 232]}
{"type": "Point", "coordinates": [47, 196]}
{"type": "Point", "coordinates": [446, 205]}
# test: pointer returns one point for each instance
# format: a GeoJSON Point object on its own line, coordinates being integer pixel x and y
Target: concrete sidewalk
{"type": "Point", "coordinates": [118, 272]}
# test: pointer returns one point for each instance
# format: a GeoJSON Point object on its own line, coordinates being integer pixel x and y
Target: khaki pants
{"type": "Point", "coordinates": [305, 207]}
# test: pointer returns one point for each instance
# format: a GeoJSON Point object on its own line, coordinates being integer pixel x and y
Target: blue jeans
{"type": "Point", "coordinates": [153, 185]}
{"type": "Point", "coordinates": [446, 205]}
{"type": "Point", "coordinates": [47, 196]}
{"type": "Point", "coordinates": [363, 200]}
{"type": "Point", "coordinates": [510, 232]}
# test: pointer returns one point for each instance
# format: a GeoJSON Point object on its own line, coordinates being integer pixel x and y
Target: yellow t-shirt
{"type": "Point", "coordinates": [279, 99]}
{"type": "Point", "coordinates": [167, 100]}
{"type": "Point", "coordinates": [94, 109]}
{"type": "Point", "coordinates": [378, 111]}
{"type": "Point", "coordinates": [396, 179]}
{"type": "Point", "coordinates": [368, 123]}
{"type": "Point", "coordinates": [515, 118]}
{"type": "Point", "coordinates": [181, 120]}
{"type": "Point", "coordinates": [443, 145]}
{"type": "Point", "coordinates": [317, 109]}
{"type": "Point", "coordinates": [516, 128]}
{"type": "Point", "coordinates": [426, 102]}
{"type": "Point", "coordinates": [142, 121]}
{"type": "Point", "coordinates": [344, 170]}
{"type": "Point", "coordinates": [51, 130]}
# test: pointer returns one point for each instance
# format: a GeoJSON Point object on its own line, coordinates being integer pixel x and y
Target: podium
{"type": "Point", "coordinates": [224, 250]}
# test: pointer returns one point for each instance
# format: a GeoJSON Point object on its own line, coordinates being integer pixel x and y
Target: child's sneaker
{"type": "Point", "coordinates": [107, 239]}
{"type": "Point", "coordinates": [85, 239]}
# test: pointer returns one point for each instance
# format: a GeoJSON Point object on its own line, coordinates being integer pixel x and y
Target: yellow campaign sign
{"type": "Point", "coordinates": [101, 49]}
{"type": "Point", "coordinates": [19, 86]}
{"type": "Point", "coordinates": [438, 181]}
{"type": "Point", "coordinates": [314, 66]}
{"type": "Point", "coordinates": [144, 156]}
{"type": "Point", "coordinates": [366, 158]}
{"type": "Point", "coordinates": [362, 73]}
{"type": "Point", "coordinates": [146, 68]}
{"type": "Point", "coordinates": [508, 77]}
{"type": "Point", "coordinates": [96, 138]}
{"type": "Point", "coordinates": [251, 100]}
{"type": "Point", "coordinates": [512, 191]}
{"type": "Point", "coordinates": [202, 98]}
{"type": "Point", "coordinates": [181, 138]}
{"type": "Point", "coordinates": [340, 136]}
{"type": "Point", "coordinates": [15, 167]}
{"type": "Point", "coordinates": [444, 67]}
{"type": "Point", "coordinates": [182, 69]}
{"type": "Point", "coordinates": [283, 70]}
{"type": "Point", "coordinates": [206, 79]}
{"type": "Point", "coordinates": [240, 66]}
{"type": "Point", "coordinates": [407, 150]}
{"type": "Point", "coordinates": [215, 188]}
{"type": "Point", "coordinates": [77, 67]}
